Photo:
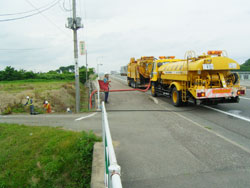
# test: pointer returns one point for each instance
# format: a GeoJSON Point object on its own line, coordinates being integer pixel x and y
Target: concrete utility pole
{"type": "Point", "coordinates": [77, 79]}
{"type": "Point", "coordinates": [86, 66]}
{"type": "Point", "coordinates": [74, 24]}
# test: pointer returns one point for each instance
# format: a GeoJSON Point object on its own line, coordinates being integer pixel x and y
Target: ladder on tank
{"type": "Point", "coordinates": [184, 91]}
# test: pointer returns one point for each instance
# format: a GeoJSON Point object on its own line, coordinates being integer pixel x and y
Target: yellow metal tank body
{"type": "Point", "coordinates": [207, 77]}
{"type": "Point", "coordinates": [211, 71]}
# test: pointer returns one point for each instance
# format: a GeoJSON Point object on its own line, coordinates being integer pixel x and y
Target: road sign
{"type": "Point", "coordinates": [82, 48]}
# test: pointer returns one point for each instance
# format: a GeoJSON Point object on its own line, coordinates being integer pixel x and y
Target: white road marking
{"type": "Point", "coordinates": [245, 98]}
{"type": "Point", "coordinates": [84, 117]}
{"type": "Point", "coordinates": [154, 99]}
{"type": "Point", "coordinates": [215, 133]}
{"type": "Point", "coordinates": [233, 115]}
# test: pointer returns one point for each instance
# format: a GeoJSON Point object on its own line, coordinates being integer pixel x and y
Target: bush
{"type": "Point", "coordinates": [64, 73]}
{"type": "Point", "coordinates": [7, 111]}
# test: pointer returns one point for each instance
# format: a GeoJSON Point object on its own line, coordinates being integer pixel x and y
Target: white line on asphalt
{"type": "Point", "coordinates": [217, 134]}
{"type": "Point", "coordinates": [245, 98]}
{"type": "Point", "coordinates": [227, 113]}
{"type": "Point", "coordinates": [84, 117]}
{"type": "Point", "coordinates": [154, 99]}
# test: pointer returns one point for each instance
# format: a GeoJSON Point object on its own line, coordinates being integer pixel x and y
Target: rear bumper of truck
{"type": "Point", "coordinates": [219, 93]}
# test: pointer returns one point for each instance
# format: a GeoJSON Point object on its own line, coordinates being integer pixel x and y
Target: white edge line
{"type": "Point", "coordinates": [217, 134]}
{"type": "Point", "coordinates": [78, 119]}
{"type": "Point", "coordinates": [154, 99]}
{"type": "Point", "coordinates": [233, 115]}
{"type": "Point", "coordinates": [245, 98]}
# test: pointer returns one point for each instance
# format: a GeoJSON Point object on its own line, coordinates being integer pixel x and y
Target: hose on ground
{"type": "Point", "coordinates": [118, 90]}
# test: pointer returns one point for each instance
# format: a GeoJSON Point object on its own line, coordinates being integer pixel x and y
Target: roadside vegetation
{"type": "Point", "coordinates": [63, 73]}
{"type": "Point", "coordinates": [57, 87]}
{"type": "Point", "coordinates": [44, 157]}
{"type": "Point", "coordinates": [59, 93]}
{"type": "Point", "coordinates": [245, 66]}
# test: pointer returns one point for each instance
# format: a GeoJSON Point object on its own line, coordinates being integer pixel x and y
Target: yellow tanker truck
{"type": "Point", "coordinates": [139, 70]}
{"type": "Point", "coordinates": [204, 79]}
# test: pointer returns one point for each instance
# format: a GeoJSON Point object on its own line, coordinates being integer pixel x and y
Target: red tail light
{"type": "Point", "coordinates": [241, 92]}
{"type": "Point", "coordinates": [202, 94]}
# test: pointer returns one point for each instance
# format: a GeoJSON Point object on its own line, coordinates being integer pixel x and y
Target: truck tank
{"type": "Point", "coordinates": [204, 78]}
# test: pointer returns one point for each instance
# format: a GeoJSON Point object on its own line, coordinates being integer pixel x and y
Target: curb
{"type": "Point", "coordinates": [97, 176]}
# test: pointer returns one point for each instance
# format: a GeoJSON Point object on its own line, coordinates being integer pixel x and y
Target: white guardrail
{"type": "Point", "coordinates": [244, 75]}
{"type": "Point", "coordinates": [112, 169]}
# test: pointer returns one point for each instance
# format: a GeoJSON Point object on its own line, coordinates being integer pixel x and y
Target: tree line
{"type": "Point", "coordinates": [63, 73]}
{"type": "Point", "coordinates": [245, 66]}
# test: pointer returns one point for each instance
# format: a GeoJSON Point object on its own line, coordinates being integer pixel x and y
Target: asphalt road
{"type": "Point", "coordinates": [158, 145]}
{"type": "Point", "coordinates": [191, 146]}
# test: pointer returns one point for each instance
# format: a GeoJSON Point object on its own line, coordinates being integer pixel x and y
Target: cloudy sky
{"type": "Point", "coordinates": [116, 30]}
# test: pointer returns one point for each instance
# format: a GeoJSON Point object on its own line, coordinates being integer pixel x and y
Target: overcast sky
{"type": "Point", "coordinates": [116, 30]}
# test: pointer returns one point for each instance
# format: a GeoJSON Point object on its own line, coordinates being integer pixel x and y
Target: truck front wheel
{"type": "Point", "coordinates": [176, 97]}
{"type": "Point", "coordinates": [153, 91]}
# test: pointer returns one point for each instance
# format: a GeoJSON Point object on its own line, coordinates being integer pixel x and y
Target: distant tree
{"type": "Point", "coordinates": [66, 73]}
{"type": "Point", "coordinates": [245, 66]}
{"type": "Point", "coordinates": [9, 74]}
{"type": "Point", "coordinates": [247, 63]}
{"type": "Point", "coordinates": [70, 68]}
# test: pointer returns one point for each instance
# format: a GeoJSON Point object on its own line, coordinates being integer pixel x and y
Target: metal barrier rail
{"type": "Point", "coordinates": [112, 169]}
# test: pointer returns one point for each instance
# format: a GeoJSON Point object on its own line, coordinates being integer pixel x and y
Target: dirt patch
{"type": "Point", "coordinates": [60, 95]}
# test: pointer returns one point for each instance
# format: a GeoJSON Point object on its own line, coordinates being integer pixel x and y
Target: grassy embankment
{"type": "Point", "coordinates": [60, 94]}
{"type": "Point", "coordinates": [44, 157]}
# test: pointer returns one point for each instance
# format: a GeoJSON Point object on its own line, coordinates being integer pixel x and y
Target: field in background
{"type": "Point", "coordinates": [44, 157]}
{"type": "Point", "coordinates": [60, 94]}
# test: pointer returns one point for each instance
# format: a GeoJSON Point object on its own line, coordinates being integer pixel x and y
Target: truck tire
{"type": "Point", "coordinates": [236, 99]}
{"type": "Point", "coordinates": [176, 97]}
{"type": "Point", "coordinates": [129, 81]}
{"type": "Point", "coordinates": [153, 91]}
{"type": "Point", "coordinates": [133, 84]}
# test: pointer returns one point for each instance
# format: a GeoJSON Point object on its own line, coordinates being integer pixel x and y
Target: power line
{"type": "Point", "coordinates": [65, 9]}
{"type": "Point", "coordinates": [27, 16]}
{"type": "Point", "coordinates": [53, 23]}
{"type": "Point", "coordinates": [29, 11]}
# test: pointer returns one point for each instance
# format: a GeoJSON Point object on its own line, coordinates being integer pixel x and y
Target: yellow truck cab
{"type": "Point", "coordinates": [155, 76]}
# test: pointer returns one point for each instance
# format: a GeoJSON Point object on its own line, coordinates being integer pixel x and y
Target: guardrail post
{"type": "Point", "coordinates": [114, 176]}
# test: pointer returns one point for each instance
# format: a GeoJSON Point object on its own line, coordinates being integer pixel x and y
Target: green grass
{"type": "Point", "coordinates": [34, 80]}
{"type": "Point", "coordinates": [44, 157]}
{"type": "Point", "coordinates": [38, 85]}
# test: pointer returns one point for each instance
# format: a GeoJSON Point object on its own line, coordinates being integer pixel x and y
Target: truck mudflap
{"type": "Point", "coordinates": [220, 92]}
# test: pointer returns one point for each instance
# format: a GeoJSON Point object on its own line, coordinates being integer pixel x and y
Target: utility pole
{"type": "Point", "coordinates": [86, 66]}
{"type": "Point", "coordinates": [74, 24]}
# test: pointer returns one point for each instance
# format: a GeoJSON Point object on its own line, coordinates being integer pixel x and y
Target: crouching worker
{"type": "Point", "coordinates": [30, 104]}
{"type": "Point", "coordinates": [107, 85]}
{"type": "Point", "coordinates": [47, 106]}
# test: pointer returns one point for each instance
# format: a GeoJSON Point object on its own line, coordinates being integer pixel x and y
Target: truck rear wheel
{"type": "Point", "coordinates": [176, 97]}
{"type": "Point", "coordinates": [153, 91]}
{"type": "Point", "coordinates": [133, 84]}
